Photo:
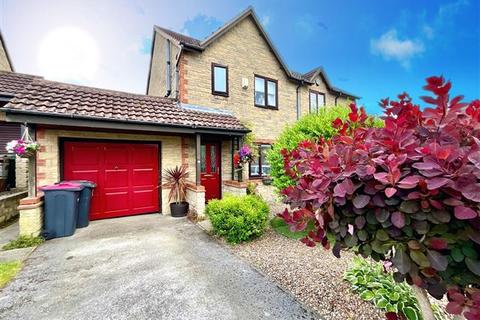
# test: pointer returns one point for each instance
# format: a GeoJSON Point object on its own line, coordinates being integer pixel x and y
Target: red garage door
{"type": "Point", "coordinates": [126, 176]}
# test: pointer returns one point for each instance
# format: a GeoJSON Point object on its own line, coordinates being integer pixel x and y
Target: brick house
{"type": "Point", "coordinates": [196, 116]}
{"type": "Point", "coordinates": [237, 68]}
{"type": "Point", "coordinates": [16, 174]}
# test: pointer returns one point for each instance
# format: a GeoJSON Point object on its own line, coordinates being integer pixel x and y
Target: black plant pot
{"type": "Point", "coordinates": [179, 209]}
{"type": "Point", "coordinates": [267, 181]}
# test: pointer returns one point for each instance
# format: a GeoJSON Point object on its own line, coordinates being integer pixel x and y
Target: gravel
{"type": "Point", "coordinates": [314, 276]}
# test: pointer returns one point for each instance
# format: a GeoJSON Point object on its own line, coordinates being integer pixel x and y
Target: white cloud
{"type": "Point", "coordinates": [265, 20]}
{"type": "Point", "coordinates": [428, 31]}
{"type": "Point", "coordinates": [391, 47]}
{"type": "Point", "coordinates": [123, 59]}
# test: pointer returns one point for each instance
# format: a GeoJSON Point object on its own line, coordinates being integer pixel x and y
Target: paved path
{"type": "Point", "coordinates": [143, 267]}
{"type": "Point", "coordinates": [8, 233]}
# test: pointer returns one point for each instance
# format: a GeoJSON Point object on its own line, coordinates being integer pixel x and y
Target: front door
{"type": "Point", "coordinates": [210, 169]}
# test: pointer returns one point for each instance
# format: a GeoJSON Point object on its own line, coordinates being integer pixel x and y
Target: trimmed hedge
{"type": "Point", "coordinates": [238, 218]}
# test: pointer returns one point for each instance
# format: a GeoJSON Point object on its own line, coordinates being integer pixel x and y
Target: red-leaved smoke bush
{"type": "Point", "coordinates": [408, 193]}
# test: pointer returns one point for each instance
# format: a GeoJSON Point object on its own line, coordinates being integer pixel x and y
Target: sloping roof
{"type": "Point", "coordinates": [312, 74]}
{"type": "Point", "coordinates": [44, 97]}
{"type": "Point", "coordinates": [196, 44]}
{"type": "Point", "coordinates": [200, 45]}
{"type": "Point", "coordinates": [178, 37]}
{"type": "Point", "coordinates": [11, 82]}
{"type": "Point", "coordinates": [2, 41]}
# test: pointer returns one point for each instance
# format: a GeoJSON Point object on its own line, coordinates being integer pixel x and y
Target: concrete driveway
{"type": "Point", "coordinates": [143, 267]}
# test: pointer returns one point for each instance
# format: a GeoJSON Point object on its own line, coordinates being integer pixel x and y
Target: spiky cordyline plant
{"type": "Point", "coordinates": [176, 180]}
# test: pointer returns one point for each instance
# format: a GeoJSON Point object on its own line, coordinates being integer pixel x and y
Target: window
{"type": "Point", "coordinates": [260, 167]}
{"type": "Point", "coordinates": [317, 100]}
{"type": "Point", "coordinates": [219, 80]}
{"type": "Point", "coordinates": [266, 92]}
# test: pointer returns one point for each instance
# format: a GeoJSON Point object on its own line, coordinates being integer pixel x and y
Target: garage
{"type": "Point", "coordinates": [126, 174]}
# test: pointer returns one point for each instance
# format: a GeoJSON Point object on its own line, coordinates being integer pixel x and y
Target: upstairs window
{"type": "Point", "coordinates": [219, 80]}
{"type": "Point", "coordinates": [317, 99]}
{"type": "Point", "coordinates": [266, 92]}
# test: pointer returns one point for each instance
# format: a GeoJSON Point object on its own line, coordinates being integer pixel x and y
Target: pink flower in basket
{"type": "Point", "coordinates": [23, 148]}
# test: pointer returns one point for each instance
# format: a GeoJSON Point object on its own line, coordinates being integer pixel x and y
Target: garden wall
{"type": "Point", "coordinates": [9, 202]}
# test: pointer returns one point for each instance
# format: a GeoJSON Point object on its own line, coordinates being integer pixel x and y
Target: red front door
{"type": "Point", "coordinates": [210, 170]}
{"type": "Point", "coordinates": [126, 176]}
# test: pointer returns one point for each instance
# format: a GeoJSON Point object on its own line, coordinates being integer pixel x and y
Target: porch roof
{"type": "Point", "coordinates": [40, 97]}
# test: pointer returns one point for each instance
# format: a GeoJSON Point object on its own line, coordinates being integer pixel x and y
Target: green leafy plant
{"type": "Point", "coordinates": [238, 218]}
{"type": "Point", "coordinates": [176, 180]}
{"type": "Point", "coordinates": [407, 193]}
{"type": "Point", "coordinates": [311, 127]}
{"type": "Point", "coordinates": [372, 283]}
{"type": "Point", "coordinates": [281, 227]}
{"type": "Point", "coordinates": [8, 270]}
{"type": "Point", "coordinates": [24, 242]}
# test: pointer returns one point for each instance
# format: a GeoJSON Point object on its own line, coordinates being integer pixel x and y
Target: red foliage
{"type": "Point", "coordinates": [408, 193]}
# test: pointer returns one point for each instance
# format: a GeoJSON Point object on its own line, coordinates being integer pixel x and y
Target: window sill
{"type": "Point", "coordinates": [266, 107]}
{"type": "Point", "coordinates": [221, 94]}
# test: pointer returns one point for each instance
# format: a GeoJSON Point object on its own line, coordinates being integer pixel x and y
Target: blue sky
{"type": "Point", "coordinates": [374, 49]}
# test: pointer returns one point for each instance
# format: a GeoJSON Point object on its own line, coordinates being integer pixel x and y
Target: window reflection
{"type": "Point", "coordinates": [203, 165]}
{"type": "Point", "coordinates": [213, 159]}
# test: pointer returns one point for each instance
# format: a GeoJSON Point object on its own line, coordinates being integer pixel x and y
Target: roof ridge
{"type": "Point", "coordinates": [176, 32]}
{"type": "Point", "coordinates": [22, 74]}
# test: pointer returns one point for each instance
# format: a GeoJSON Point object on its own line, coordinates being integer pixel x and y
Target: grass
{"type": "Point", "coordinates": [282, 228]}
{"type": "Point", "coordinates": [23, 242]}
{"type": "Point", "coordinates": [8, 270]}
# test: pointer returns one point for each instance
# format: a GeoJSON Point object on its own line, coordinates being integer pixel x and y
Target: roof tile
{"type": "Point", "coordinates": [55, 98]}
{"type": "Point", "coordinates": [11, 82]}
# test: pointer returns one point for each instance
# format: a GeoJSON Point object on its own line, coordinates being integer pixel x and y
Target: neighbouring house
{"type": "Point", "coordinates": [13, 170]}
{"type": "Point", "coordinates": [237, 68]}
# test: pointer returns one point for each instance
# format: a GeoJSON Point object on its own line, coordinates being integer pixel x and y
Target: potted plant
{"type": "Point", "coordinates": [23, 148]}
{"type": "Point", "coordinates": [241, 159]}
{"type": "Point", "coordinates": [176, 180]}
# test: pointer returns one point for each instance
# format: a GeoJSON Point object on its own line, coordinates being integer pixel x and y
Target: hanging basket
{"type": "Point", "coordinates": [25, 147]}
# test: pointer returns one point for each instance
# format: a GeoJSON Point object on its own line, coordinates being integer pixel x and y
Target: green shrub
{"type": "Point", "coordinates": [238, 218]}
{"type": "Point", "coordinates": [309, 127]}
{"type": "Point", "coordinates": [373, 284]}
{"type": "Point", "coordinates": [23, 242]}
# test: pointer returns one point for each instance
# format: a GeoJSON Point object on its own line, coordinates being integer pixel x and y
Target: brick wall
{"type": "Point", "coordinates": [9, 205]}
{"type": "Point", "coordinates": [48, 159]}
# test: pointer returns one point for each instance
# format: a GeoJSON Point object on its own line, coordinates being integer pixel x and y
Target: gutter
{"type": "Point", "coordinates": [298, 99]}
{"type": "Point", "coordinates": [14, 115]}
{"type": "Point", "coordinates": [169, 68]}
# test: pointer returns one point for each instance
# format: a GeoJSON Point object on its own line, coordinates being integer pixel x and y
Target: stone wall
{"type": "Point", "coordinates": [158, 71]}
{"type": "Point", "coordinates": [234, 187]}
{"type": "Point", "coordinates": [246, 53]}
{"type": "Point", "coordinates": [21, 172]}
{"type": "Point", "coordinates": [48, 159]}
{"type": "Point", "coordinates": [9, 202]}
{"type": "Point", "coordinates": [4, 64]}
{"type": "Point", "coordinates": [31, 216]}
{"type": "Point", "coordinates": [196, 199]}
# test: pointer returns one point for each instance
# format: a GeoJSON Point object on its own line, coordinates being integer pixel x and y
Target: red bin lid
{"type": "Point", "coordinates": [68, 186]}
